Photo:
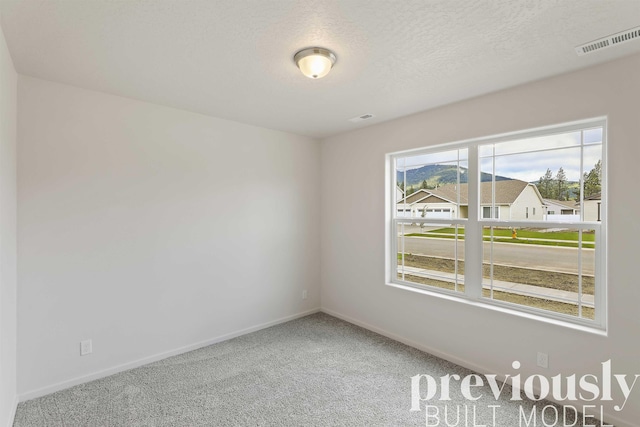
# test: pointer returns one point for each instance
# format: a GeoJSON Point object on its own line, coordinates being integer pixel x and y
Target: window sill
{"type": "Point", "coordinates": [499, 307]}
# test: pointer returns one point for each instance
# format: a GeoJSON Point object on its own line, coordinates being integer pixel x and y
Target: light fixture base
{"type": "Point", "coordinates": [315, 62]}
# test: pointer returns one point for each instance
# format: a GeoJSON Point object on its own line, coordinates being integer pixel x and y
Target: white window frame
{"type": "Point", "coordinates": [473, 226]}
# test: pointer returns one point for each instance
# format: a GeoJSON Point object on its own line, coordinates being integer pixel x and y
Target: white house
{"type": "Point", "coordinates": [561, 207]}
{"type": "Point", "coordinates": [593, 207]}
{"type": "Point", "coordinates": [561, 210]}
{"type": "Point", "coordinates": [427, 203]}
{"type": "Point", "coordinates": [514, 200]}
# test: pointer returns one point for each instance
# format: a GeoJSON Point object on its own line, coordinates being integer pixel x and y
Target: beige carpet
{"type": "Point", "coordinates": [314, 371]}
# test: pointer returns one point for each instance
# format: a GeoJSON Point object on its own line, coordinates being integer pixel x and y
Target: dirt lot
{"type": "Point", "coordinates": [545, 279]}
{"type": "Point", "coordinates": [553, 280]}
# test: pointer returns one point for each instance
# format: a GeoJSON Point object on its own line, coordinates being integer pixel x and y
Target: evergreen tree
{"type": "Point", "coordinates": [424, 184]}
{"type": "Point", "coordinates": [410, 190]}
{"type": "Point", "coordinates": [545, 185]}
{"type": "Point", "coordinates": [561, 184]}
{"type": "Point", "coordinates": [592, 180]}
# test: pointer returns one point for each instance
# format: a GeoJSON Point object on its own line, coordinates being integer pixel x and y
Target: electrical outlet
{"type": "Point", "coordinates": [304, 294]}
{"type": "Point", "coordinates": [543, 360]}
{"type": "Point", "coordinates": [86, 347]}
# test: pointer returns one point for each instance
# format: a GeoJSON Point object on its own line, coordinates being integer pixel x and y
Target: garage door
{"type": "Point", "coordinates": [444, 213]}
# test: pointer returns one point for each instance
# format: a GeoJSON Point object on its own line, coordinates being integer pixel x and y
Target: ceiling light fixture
{"type": "Point", "coordinates": [315, 62]}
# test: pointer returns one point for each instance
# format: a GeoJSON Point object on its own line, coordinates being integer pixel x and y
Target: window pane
{"type": "Point", "coordinates": [555, 174]}
{"type": "Point", "coordinates": [545, 142]}
{"type": "Point", "coordinates": [588, 289]}
{"type": "Point", "coordinates": [592, 186]}
{"type": "Point", "coordinates": [401, 230]}
{"type": "Point", "coordinates": [417, 161]}
{"type": "Point", "coordinates": [487, 186]}
{"type": "Point", "coordinates": [538, 267]}
{"type": "Point", "coordinates": [432, 254]}
{"type": "Point", "coordinates": [593, 136]}
{"type": "Point", "coordinates": [432, 186]}
{"type": "Point", "coordinates": [485, 150]}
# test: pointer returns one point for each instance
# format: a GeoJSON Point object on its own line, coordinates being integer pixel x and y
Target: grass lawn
{"type": "Point", "coordinates": [525, 236]}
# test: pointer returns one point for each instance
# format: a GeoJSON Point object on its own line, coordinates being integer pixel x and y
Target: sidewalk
{"type": "Point", "coordinates": [509, 287]}
{"type": "Point", "coordinates": [586, 244]}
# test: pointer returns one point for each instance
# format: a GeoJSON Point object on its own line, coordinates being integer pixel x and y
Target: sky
{"type": "Point", "coordinates": [519, 159]}
{"type": "Point", "coordinates": [564, 151]}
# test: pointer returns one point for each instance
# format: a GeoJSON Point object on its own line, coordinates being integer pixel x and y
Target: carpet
{"type": "Point", "coordinates": [313, 371]}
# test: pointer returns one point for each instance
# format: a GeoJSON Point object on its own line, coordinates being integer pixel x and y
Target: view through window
{"type": "Point", "coordinates": [537, 207]}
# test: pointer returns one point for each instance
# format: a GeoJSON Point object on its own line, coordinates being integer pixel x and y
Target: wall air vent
{"type": "Point", "coordinates": [362, 118]}
{"type": "Point", "coordinates": [609, 41]}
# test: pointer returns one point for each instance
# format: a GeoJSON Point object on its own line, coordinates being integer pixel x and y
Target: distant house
{"type": "Point", "coordinates": [514, 200]}
{"type": "Point", "coordinates": [561, 207]}
{"type": "Point", "coordinates": [593, 207]}
{"type": "Point", "coordinates": [561, 210]}
{"type": "Point", "coordinates": [427, 204]}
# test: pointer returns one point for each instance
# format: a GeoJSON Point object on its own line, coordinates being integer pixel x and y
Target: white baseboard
{"type": "Point", "coordinates": [442, 355]}
{"type": "Point", "coordinates": [613, 420]}
{"type": "Point", "coordinates": [12, 414]}
{"type": "Point", "coordinates": [159, 356]}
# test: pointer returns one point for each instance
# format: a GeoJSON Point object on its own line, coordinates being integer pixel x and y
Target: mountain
{"type": "Point", "coordinates": [440, 174]}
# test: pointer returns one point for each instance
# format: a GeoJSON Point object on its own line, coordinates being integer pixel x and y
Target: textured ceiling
{"type": "Point", "coordinates": [233, 58]}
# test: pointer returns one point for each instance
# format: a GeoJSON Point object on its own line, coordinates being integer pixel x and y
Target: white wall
{"type": "Point", "coordinates": [8, 107]}
{"type": "Point", "coordinates": [591, 210]}
{"type": "Point", "coordinates": [150, 229]}
{"type": "Point", "coordinates": [527, 199]}
{"type": "Point", "coordinates": [353, 252]}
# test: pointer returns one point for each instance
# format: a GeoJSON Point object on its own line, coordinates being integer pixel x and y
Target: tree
{"type": "Point", "coordinates": [561, 184]}
{"type": "Point", "coordinates": [424, 215]}
{"type": "Point", "coordinates": [401, 186]}
{"type": "Point", "coordinates": [410, 191]}
{"type": "Point", "coordinates": [592, 180]}
{"type": "Point", "coordinates": [424, 184]}
{"type": "Point", "coordinates": [545, 185]}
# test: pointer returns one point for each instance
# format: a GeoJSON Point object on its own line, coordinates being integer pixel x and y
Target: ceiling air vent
{"type": "Point", "coordinates": [362, 118]}
{"type": "Point", "coordinates": [609, 41]}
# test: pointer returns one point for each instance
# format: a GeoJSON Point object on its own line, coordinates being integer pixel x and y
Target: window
{"type": "Point", "coordinates": [486, 212]}
{"type": "Point", "coordinates": [490, 247]}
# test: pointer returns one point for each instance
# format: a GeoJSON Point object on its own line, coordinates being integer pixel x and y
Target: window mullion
{"type": "Point", "coordinates": [473, 232]}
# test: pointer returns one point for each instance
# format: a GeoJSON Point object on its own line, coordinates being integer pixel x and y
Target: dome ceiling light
{"type": "Point", "coordinates": [315, 62]}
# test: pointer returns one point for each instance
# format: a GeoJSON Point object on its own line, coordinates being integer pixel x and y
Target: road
{"type": "Point", "coordinates": [552, 258]}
